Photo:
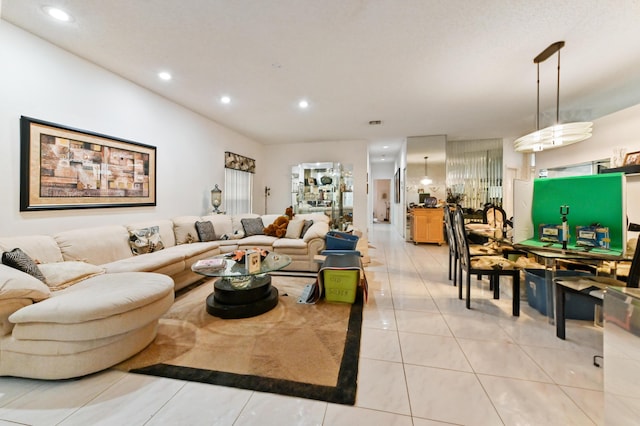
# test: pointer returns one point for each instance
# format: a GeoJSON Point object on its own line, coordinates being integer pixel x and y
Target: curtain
{"type": "Point", "coordinates": [474, 172]}
{"type": "Point", "coordinates": [238, 191]}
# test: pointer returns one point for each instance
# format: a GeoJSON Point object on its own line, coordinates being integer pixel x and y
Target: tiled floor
{"type": "Point", "coordinates": [425, 360]}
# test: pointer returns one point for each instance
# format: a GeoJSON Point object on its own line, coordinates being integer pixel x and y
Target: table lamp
{"type": "Point", "coordinates": [216, 198]}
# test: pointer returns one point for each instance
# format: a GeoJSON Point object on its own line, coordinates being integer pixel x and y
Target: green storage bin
{"type": "Point", "coordinates": [340, 285]}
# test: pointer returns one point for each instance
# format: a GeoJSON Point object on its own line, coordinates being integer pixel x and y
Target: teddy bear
{"type": "Point", "coordinates": [279, 226]}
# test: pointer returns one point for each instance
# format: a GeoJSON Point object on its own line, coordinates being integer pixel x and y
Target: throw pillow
{"type": "Point", "coordinates": [305, 228]}
{"type": "Point", "coordinates": [205, 231]}
{"type": "Point", "coordinates": [252, 226]}
{"type": "Point", "coordinates": [145, 240]}
{"type": "Point", "coordinates": [15, 284]}
{"type": "Point", "coordinates": [294, 228]}
{"type": "Point", "coordinates": [61, 275]}
{"type": "Point", "coordinates": [19, 260]}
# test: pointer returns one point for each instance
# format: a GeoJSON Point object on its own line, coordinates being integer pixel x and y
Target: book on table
{"type": "Point", "coordinates": [213, 264]}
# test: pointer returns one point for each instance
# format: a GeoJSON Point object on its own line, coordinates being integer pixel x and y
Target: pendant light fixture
{"type": "Point", "coordinates": [425, 179]}
{"type": "Point", "coordinates": [558, 134]}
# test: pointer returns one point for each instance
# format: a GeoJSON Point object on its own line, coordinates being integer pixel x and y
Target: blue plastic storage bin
{"type": "Point", "coordinates": [577, 306]}
{"type": "Point", "coordinates": [341, 241]}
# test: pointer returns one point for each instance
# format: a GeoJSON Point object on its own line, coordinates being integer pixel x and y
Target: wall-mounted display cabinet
{"type": "Point", "coordinates": [326, 188]}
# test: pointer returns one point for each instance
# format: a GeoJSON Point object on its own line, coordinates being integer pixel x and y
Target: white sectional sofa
{"type": "Point", "coordinates": [101, 302]}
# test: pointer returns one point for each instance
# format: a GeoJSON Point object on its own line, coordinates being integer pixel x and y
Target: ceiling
{"type": "Point", "coordinates": [423, 67]}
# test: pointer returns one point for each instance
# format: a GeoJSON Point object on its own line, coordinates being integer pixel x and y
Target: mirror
{"type": "Point", "coordinates": [424, 177]}
{"type": "Point", "coordinates": [416, 188]}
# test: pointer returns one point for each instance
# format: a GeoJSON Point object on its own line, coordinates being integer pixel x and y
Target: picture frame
{"type": "Point", "coordinates": [312, 181]}
{"type": "Point", "coordinates": [632, 159]}
{"type": "Point", "coordinates": [67, 168]}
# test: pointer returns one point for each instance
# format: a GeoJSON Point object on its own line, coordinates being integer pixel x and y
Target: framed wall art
{"type": "Point", "coordinates": [67, 168]}
{"type": "Point", "coordinates": [632, 159]}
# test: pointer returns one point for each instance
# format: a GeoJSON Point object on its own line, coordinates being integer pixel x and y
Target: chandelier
{"type": "Point", "coordinates": [425, 179]}
{"type": "Point", "coordinates": [559, 134]}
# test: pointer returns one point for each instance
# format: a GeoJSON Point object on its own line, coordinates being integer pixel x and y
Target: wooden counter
{"type": "Point", "coordinates": [427, 225]}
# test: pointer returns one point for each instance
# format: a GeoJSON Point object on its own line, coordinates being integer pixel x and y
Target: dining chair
{"type": "Point", "coordinates": [474, 249]}
{"type": "Point", "coordinates": [493, 266]}
{"type": "Point", "coordinates": [495, 216]}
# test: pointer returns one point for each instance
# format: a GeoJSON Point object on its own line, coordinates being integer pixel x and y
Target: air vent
{"type": "Point", "coordinates": [375, 122]}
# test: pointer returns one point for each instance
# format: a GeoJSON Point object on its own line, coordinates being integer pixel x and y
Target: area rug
{"type": "Point", "coordinates": [307, 351]}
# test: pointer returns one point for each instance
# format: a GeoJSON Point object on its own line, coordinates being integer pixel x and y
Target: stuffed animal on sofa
{"type": "Point", "coordinates": [279, 226]}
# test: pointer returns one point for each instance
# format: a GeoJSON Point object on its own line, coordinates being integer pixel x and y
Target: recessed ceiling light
{"type": "Point", "coordinates": [164, 76]}
{"type": "Point", "coordinates": [225, 99]}
{"type": "Point", "coordinates": [58, 14]}
{"type": "Point", "coordinates": [303, 104]}
{"type": "Point", "coordinates": [385, 147]}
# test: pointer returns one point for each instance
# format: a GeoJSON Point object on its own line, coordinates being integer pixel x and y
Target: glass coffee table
{"type": "Point", "coordinates": [239, 293]}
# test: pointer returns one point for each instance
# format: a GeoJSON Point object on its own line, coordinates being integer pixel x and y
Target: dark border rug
{"type": "Point", "coordinates": [343, 393]}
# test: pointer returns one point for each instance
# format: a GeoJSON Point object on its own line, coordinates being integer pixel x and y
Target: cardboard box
{"type": "Point", "coordinates": [593, 236]}
{"type": "Point", "coordinates": [551, 233]}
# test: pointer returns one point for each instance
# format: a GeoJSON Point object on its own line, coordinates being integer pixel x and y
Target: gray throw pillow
{"type": "Point", "coordinates": [252, 226]}
{"type": "Point", "coordinates": [305, 228]}
{"type": "Point", "coordinates": [206, 231]}
{"type": "Point", "coordinates": [19, 260]}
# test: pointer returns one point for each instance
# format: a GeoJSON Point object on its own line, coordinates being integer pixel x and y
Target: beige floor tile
{"type": "Point", "coordinates": [422, 322]}
{"type": "Point", "coordinates": [449, 396]}
{"type": "Point", "coordinates": [502, 359]}
{"type": "Point", "coordinates": [378, 344]}
{"type": "Point", "coordinates": [533, 403]}
{"type": "Point", "coordinates": [433, 351]}
{"type": "Point", "coordinates": [382, 386]}
{"type": "Point", "coordinates": [342, 415]}
{"type": "Point", "coordinates": [265, 409]}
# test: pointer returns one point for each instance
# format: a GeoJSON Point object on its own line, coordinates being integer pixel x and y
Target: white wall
{"type": "Point", "coordinates": [618, 130]}
{"type": "Point", "coordinates": [44, 82]}
{"type": "Point", "coordinates": [278, 160]}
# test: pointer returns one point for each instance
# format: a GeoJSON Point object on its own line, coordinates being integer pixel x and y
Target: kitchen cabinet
{"type": "Point", "coordinates": [427, 225]}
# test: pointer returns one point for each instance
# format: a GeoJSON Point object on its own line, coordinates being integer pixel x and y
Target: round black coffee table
{"type": "Point", "coordinates": [240, 293]}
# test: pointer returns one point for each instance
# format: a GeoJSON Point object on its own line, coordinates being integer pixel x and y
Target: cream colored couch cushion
{"type": "Point", "coordinates": [168, 262]}
{"type": "Point", "coordinates": [59, 275]}
{"type": "Point", "coordinates": [222, 224]}
{"type": "Point", "coordinates": [184, 229]}
{"type": "Point", "coordinates": [237, 220]}
{"type": "Point", "coordinates": [100, 307]}
{"type": "Point", "coordinates": [15, 284]}
{"type": "Point", "coordinates": [97, 245]}
{"type": "Point", "coordinates": [40, 248]}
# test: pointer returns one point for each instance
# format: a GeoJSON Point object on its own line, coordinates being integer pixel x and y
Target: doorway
{"type": "Point", "coordinates": [382, 201]}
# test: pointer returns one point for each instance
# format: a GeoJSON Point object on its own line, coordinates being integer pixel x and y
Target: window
{"type": "Point", "coordinates": [238, 191]}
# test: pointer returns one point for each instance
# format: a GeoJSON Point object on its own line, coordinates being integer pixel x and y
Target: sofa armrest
{"type": "Point", "coordinates": [8, 307]}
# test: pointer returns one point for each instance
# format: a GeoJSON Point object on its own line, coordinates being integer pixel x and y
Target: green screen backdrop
{"type": "Point", "coordinates": [591, 199]}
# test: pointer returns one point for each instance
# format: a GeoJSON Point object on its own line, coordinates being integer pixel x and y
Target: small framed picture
{"type": "Point", "coordinates": [632, 158]}
{"type": "Point", "coordinates": [311, 181]}
{"type": "Point", "coordinates": [252, 260]}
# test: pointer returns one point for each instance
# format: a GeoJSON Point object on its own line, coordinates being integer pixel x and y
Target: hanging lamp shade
{"type": "Point", "coordinates": [559, 134]}
{"type": "Point", "coordinates": [425, 179]}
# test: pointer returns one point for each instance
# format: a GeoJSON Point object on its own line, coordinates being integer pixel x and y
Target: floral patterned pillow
{"type": "Point", "coordinates": [145, 240]}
